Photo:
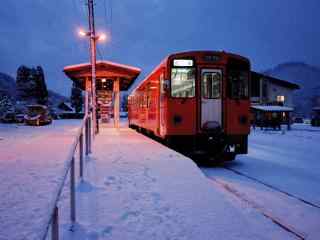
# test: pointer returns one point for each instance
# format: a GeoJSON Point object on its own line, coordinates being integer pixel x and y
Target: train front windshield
{"type": "Point", "coordinates": [183, 78]}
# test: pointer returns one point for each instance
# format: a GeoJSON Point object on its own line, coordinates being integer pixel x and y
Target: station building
{"type": "Point", "coordinates": [271, 100]}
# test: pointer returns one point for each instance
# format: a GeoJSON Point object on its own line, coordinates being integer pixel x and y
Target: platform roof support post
{"type": "Point", "coordinates": [86, 97]}
{"type": "Point", "coordinates": [116, 110]}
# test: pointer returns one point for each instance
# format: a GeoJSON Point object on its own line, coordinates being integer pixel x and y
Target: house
{"type": "Point", "coordinates": [271, 100]}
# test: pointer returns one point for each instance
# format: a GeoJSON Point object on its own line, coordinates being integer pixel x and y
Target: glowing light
{"type": "Point", "coordinates": [82, 33]}
{"type": "Point", "coordinates": [103, 80]}
{"type": "Point", "coordinates": [182, 62]}
{"type": "Point", "coordinates": [102, 37]}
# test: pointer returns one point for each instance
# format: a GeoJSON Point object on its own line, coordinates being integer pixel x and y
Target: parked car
{"type": "Point", "coordinates": [298, 120]}
{"type": "Point", "coordinates": [37, 115]}
{"type": "Point", "coordinates": [19, 118]}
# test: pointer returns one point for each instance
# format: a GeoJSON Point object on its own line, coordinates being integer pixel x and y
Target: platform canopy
{"type": "Point", "coordinates": [104, 69]}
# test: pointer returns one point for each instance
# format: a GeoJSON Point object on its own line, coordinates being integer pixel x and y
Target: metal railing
{"type": "Point", "coordinates": [53, 219]}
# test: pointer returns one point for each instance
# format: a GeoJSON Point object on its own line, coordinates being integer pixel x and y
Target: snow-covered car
{"type": "Point", "coordinates": [19, 118]}
{"type": "Point", "coordinates": [37, 115]}
{"type": "Point", "coordinates": [298, 120]}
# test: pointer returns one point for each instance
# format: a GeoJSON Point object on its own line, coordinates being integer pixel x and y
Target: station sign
{"type": "Point", "coordinates": [183, 63]}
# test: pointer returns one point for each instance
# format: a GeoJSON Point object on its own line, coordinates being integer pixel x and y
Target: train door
{"type": "Point", "coordinates": [211, 106]}
{"type": "Point", "coordinates": [162, 116]}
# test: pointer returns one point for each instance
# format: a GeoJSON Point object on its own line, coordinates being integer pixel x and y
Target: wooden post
{"type": "Point", "coordinates": [87, 136]}
{"type": "Point", "coordinates": [81, 155]}
{"type": "Point", "coordinates": [90, 133]}
{"type": "Point", "coordinates": [72, 193]}
{"type": "Point", "coordinates": [55, 224]}
{"type": "Point", "coordinates": [116, 110]}
{"type": "Point", "coordinates": [289, 121]}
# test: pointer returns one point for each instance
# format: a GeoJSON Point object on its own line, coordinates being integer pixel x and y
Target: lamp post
{"type": "Point", "coordinates": [93, 59]}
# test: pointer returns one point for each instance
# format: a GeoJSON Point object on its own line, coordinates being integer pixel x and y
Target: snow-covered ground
{"type": "Point", "coordinates": [136, 188]}
{"type": "Point", "coordinates": [32, 160]}
{"type": "Point", "coordinates": [279, 178]}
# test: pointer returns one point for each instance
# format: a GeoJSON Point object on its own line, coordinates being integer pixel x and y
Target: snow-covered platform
{"type": "Point", "coordinates": [32, 163]}
{"type": "Point", "coordinates": [136, 188]}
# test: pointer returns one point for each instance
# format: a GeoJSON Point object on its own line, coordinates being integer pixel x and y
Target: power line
{"type": "Point", "coordinates": [99, 53]}
{"type": "Point", "coordinates": [108, 23]}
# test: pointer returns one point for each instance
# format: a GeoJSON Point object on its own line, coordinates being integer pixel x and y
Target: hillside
{"type": "Point", "coordinates": [306, 76]}
{"type": "Point", "coordinates": [7, 84]}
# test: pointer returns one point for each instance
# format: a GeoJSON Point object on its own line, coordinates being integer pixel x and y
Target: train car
{"type": "Point", "coordinates": [198, 101]}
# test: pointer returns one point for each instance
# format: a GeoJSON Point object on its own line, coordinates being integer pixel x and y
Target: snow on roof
{"type": "Point", "coordinates": [70, 67]}
{"type": "Point", "coordinates": [272, 108]}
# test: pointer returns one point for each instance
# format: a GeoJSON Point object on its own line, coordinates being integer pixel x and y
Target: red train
{"type": "Point", "coordinates": [198, 101]}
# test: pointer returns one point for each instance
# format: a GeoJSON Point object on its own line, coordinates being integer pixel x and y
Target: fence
{"type": "Point", "coordinates": [53, 221]}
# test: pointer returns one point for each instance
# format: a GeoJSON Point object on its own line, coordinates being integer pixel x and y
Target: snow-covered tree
{"type": "Point", "coordinates": [41, 89]}
{"type": "Point", "coordinates": [76, 98]}
{"type": "Point", "coordinates": [31, 85]}
{"type": "Point", "coordinates": [6, 104]}
{"type": "Point", "coordinates": [25, 84]}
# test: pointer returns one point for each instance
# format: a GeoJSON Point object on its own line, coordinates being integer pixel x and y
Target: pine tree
{"type": "Point", "coordinates": [42, 91]}
{"type": "Point", "coordinates": [22, 80]}
{"type": "Point", "coordinates": [76, 98]}
{"type": "Point", "coordinates": [31, 85]}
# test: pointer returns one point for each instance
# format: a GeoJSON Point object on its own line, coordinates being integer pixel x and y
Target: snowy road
{"type": "Point", "coordinates": [278, 178]}
{"type": "Point", "coordinates": [32, 160]}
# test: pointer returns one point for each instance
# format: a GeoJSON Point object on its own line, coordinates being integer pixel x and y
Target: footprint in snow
{"type": "Point", "coordinates": [129, 214]}
{"type": "Point", "coordinates": [110, 180]}
{"type": "Point", "coordinates": [107, 231]}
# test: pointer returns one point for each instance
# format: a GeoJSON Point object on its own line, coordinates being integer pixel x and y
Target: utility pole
{"type": "Point", "coordinates": [93, 61]}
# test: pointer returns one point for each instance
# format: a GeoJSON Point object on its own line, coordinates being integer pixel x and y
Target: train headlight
{"type": "Point", "coordinates": [243, 120]}
{"type": "Point", "coordinates": [177, 119]}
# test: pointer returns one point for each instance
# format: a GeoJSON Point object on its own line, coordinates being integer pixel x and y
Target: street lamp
{"type": "Point", "coordinates": [100, 37]}
{"type": "Point", "coordinates": [93, 39]}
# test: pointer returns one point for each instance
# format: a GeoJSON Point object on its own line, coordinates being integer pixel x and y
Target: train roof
{"type": "Point", "coordinates": [196, 52]}
{"type": "Point", "coordinates": [193, 52]}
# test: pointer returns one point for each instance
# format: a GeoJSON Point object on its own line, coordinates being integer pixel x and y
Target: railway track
{"type": "Point", "coordinates": [274, 188]}
{"type": "Point", "coordinates": [233, 191]}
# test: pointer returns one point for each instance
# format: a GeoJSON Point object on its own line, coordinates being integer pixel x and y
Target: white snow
{"type": "Point", "coordinates": [286, 162]}
{"type": "Point", "coordinates": [32, 160]}
{"type": "Point", "coordinates": [135, 69]}
{"type": "Point", "coordinates": [136, 188]}
{"type": "Point", "coordinates": [271, 108]}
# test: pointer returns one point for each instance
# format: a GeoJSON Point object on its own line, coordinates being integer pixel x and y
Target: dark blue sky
{"type": "Point", "coordinates": [269, 32]}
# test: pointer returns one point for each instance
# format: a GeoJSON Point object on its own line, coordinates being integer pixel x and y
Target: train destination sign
{"type": "Point", "coordinates": [182, 62]}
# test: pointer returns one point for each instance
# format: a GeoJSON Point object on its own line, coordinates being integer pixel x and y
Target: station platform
{"type": "Point", "coordinates": [136, 188]}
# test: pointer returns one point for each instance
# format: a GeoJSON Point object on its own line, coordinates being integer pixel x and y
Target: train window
{"type": "Point", "coordinates": [238, 84]}
{"type": "Point", "coordinates": [211, 82]}
{"type": "Point", "coordinates": [183, 82]}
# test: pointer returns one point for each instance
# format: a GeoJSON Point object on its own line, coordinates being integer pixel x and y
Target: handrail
{"type": "Point", "coordinates": [53, 218]}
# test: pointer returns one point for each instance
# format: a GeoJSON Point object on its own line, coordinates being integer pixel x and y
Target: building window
{"type": "Point", "coordinates": [280, 99]}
